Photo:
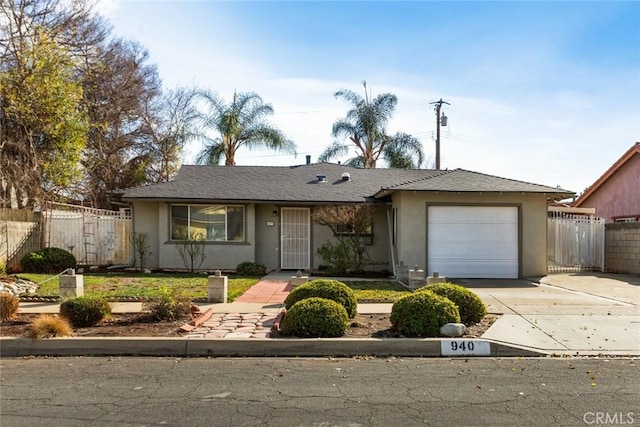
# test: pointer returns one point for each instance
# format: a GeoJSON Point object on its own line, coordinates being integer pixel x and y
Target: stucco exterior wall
{"type": "Point", "coordinates": [153, 218]}
{"type": "Point", "coordinates": [145, 220]}
{"type": "Point", "coordinates": [319, 235]}
{"type": "Point", "coordinates": [378, 251]}
{"type": "Point", "coordinates": [412, 225]}
{"type": "Point", "coordinates": [622, 248]}
{"type": "Point", "coordinates": [620, 194]}
{"type": "Point", "coordinates": [262, 239]}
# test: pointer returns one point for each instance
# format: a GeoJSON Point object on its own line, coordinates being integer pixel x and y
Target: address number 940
{"type": "Point", "coordinates": [465, 348]}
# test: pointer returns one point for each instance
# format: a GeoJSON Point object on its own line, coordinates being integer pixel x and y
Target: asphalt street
{"type": "Point", "coordinates": [318, 392]}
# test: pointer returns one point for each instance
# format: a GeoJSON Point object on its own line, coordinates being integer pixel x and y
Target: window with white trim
{"type": "Point", "coordinates": [215, 223]}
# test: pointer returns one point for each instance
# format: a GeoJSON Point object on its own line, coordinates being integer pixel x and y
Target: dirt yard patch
{"type": "Point", "coordinates": [379, 326]}
{"type": "Point", "coordinates": [140, 325]}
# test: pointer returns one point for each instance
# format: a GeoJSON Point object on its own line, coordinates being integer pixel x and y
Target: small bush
{"type": "Point", "coordinates": [471, 307]}
{"type": "Point", "coordinates": [47, 260]}
{"type": "Point", "coordinates": [8, 306]}
{"type": "Point", "coordinates": [325, 288]}
{"type": "Point", "coordinates": [315, 317]}
{"type": "Point", "coordinates": [422, 314]}
{"type": "Point", "coordinates": [344, 257]}
{"type": "Point", "coordinates": [46, 326]}
{"type": "Point", "coordinates": [248, 268]}
{"type": "Point", "coordinates": [85, 311]}
{"type": "Point", "coordinates": [169, 305]}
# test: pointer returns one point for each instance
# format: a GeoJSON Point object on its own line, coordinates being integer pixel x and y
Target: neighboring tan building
{"type": "Point", "coordinates": [456, 222]}
{"type": "Point", "coordinates": [616, 194]}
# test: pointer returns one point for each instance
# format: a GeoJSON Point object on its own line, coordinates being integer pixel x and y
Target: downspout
{"type": "Point", "coordinates": [391, 242]}
{"type": "Point", "coordinates": [602, 243]}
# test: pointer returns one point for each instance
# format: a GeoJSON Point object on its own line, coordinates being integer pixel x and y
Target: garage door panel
{"type": "Point", "coordinates": [461, 269]}
{"type": "Point", "coordinates": [473, 241]}
{"type": "Point", "coordinates": [481, 214]}
{"type": "Point", "coordinates": [474, 251]}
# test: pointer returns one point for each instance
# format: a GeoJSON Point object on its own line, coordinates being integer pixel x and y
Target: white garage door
{"type": "Point", "coordinates": [473, 241]}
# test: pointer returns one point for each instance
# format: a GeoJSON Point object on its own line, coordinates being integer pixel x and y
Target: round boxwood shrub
{"type": "Point", "coordinates": [325, 288]}
{"type": "Point", "coordinates": [421, 314]}
{"type": "Point", "coordinates": [315, 317]}
{"type": "Point", "coordinates": [470, 306]}
{"type": "Point", "coordinates": [47, 260]}
{"type": "Point", "coordinates": [85, 311]}
{"type": "Point", "coordinates": [248, 268]}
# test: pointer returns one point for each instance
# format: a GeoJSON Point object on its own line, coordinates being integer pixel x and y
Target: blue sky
{"type": "Point", "coordinates": [547, 92]}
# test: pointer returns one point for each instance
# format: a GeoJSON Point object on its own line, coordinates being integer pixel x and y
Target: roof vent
{"type": "Point", "coordinates": [346, 176]}
{"type": "Point", "coordinates": [321, 178]}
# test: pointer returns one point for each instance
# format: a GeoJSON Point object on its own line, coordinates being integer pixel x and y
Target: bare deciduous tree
{"type": "Point", "coordinates": [118, 88]}
{"type": "Point", "coordinates": [349, 223]}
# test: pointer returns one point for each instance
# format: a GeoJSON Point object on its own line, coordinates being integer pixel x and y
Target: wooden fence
{"type": "Point", "coordinates": [93, 236]}
{"type": "Point", "coordinates": [575, 243]}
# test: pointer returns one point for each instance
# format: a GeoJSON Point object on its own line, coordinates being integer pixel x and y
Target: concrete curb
{"type": "Point", "coordinates": [254, 347]}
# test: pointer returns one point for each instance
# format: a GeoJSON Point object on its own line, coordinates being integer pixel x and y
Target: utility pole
{"type": "Point", "coordinates": [439, 119]}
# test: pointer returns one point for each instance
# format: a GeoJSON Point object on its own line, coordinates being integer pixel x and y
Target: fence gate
{"type": "Point", "coordinates": [575, 243]}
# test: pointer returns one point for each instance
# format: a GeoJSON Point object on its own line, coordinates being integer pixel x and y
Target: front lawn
{"type": "Point", "coordinates": [377, 291]}
{"type": "Point", "coordinates": [136, 285]}
{"type": "Point", "coordinates": [139, 285]}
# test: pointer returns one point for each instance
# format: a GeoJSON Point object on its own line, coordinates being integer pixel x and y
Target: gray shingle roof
{"type": "Point", "coordinates": [461, 180]}
{"type": "Point", "coordinates": [300, 184]}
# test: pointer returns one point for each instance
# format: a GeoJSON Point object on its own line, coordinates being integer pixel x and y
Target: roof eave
{"type": "Point", "coordinates": [635, 149]}
{"type": "Point", "coordinates": [560, 193]}
{"type": "Point", "coordinates": [243, 201]}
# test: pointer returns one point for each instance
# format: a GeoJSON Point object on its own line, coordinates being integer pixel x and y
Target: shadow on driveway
{"type": "Point", "coordinates": [494, 283]}
{"type": "Point", "coordinates": [627, 278]}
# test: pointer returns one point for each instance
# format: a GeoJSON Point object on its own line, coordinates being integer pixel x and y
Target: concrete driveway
{"type": "Point", "coordinates": [577, 313]}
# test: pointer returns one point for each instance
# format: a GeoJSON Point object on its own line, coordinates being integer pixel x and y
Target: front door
{"type": "Point", "coordinates": [295, 242]}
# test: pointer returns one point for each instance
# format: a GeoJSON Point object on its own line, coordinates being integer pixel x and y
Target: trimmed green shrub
{"type": "Point", "coordinates": [248, 268]}
{"type": "Point", "coordinates": [170, 305]}
{"type": "Point", "coordinates": [47, 260]}
{"type": "Point", "coordinates": [422, 314]}
{"type": "Point", "coordinates": [315, 317]}
{"type": "Point", "coordinates": [85, 311]}
{"type": "Point", "coordinates": [8, 306]}
{"type": "Point", "coordinates": [345, 256]}
{"type": "Point", "coordinates": [325, 288]}
{"type": "Point", "coordinates": [471, 307]}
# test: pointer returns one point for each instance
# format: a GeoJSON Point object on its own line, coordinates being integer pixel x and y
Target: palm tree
{"type": "Point", "coordinates": [242, 123]}
{"type": "Point", "coordinates": [365, 127]}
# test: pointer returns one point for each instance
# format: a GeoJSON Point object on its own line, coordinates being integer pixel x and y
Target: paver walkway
{"type": "Point", "coordinates": [235, 325]}
{"type": "Point", "coordinates": [246, 325]}
{"type": "Point", "coordinates": [267, 291]}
